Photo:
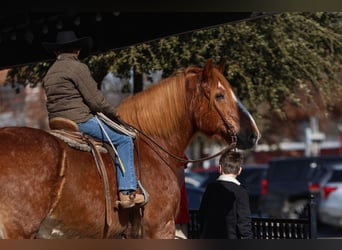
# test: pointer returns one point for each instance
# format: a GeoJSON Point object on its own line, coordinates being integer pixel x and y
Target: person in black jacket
{"type": "Point", "coordinates": [224, 211]}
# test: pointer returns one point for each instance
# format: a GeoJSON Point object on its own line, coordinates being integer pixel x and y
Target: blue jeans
{"type": "Point", "coordinates": [124, 146]}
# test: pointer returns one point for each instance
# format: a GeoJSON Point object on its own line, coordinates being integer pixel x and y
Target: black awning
{"type": "Point", "coordinates": [23, 33]}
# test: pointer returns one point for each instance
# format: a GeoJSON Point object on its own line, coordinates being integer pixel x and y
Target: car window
{"type": "Point", "coordinates": [289, 171]}
{"type": "Point", "coordinates": [195, 179]}
{"type": "Point", "coordinates": [211, 176]}
{"type": "Point", "coordinates": [336, 176]}
{"type": "Point", "coordinates": [251, 176]}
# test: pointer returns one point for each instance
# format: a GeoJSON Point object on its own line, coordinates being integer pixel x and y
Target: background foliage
{"type": "Point", "coordinates": [268, 60]}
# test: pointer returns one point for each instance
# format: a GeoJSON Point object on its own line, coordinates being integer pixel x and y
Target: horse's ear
{"type": "Point", "coordinates": [209, 64]}
{"type": "Point", "coordinates": [207, 69]}
{"type": "Point", "coordinates": [206, 80]}
{"type": "Point", "coordinates": [220, 67]}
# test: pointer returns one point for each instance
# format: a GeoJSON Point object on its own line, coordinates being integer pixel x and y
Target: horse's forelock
{"type": "Point", "coordinates": [227, 86]}
{"type": "Point", "coordinates": [214, 80]}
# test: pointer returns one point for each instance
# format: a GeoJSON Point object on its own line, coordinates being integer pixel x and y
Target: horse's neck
{"type": "Point", "coordinates": [181, 138]}
{"type": "Point", "coordinates": [161, 112]}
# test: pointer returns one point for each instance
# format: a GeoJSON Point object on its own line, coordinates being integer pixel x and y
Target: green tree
{"type": "Point", "coordinates": [267, 59]}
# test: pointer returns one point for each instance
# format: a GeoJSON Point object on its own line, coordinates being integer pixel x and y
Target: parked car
{"type": "Point", "coordinates": [194, 196]}
{"type": "Point", "coordinates": [253, 177]}
{"type": "Point", "coordinates": [195, 179]}
{"type": "Point", "coordinates": [330, 206]}
{"type": "Point", "coordinates": [209, 174]}
{"type": "Point", "coordinates": [290, 181]}
{"type": "Point", "coordinates": [195, 184]}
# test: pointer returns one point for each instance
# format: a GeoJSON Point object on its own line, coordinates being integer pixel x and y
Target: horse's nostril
{"type": "Point", "coordinates": [253, 138]}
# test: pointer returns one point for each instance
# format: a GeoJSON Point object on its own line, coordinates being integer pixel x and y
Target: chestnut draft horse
{"type": "Point", "coordinates": [52, 190]}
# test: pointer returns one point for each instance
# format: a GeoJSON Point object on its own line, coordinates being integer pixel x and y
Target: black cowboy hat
{"type": "Point", "coordinates": [66, 40]}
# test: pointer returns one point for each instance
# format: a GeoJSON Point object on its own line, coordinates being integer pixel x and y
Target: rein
{"type": "Point", "coordinates": [228, 126]}
{"type": "Point", "coordinates": [181, 159]}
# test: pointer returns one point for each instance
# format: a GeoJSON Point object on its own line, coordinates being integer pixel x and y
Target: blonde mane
{"type": "Point", "coordinates": [157, 110]}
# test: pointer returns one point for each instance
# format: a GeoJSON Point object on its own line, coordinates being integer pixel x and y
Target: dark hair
{"type": "Point", "coordinates": [231, 162]}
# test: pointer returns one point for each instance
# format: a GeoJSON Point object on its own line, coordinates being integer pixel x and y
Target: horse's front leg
{"type": "Point", "coordinates": [163, 230]}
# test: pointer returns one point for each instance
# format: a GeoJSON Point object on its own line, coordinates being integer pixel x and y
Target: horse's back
{"type": "Point", "coordinates": [29, 175]}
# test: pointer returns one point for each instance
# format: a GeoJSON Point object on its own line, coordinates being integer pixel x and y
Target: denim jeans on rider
{"type": "Point", "coordinates": [124, 147]}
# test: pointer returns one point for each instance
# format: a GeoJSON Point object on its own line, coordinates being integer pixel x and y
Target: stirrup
{"type": "Point", "coordinates": [125, 204]}
{"type": "Point", "coordinates": [144, 192]}
{"type": "Point", "coordinates": [129, 200]}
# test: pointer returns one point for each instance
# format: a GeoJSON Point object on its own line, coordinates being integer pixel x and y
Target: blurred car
{"type": "Point", "coordinates": [195, 179]}
{"type": "Point", "coordinates": [195, 184]}
{"type": "Point", "coordinates": [330, 205]}
{"type": "Point", "coordinates": [194, 196]}
{"type": "Point", "coordinates": [253, 177]}
{"type": "Point", "coordinates": [208, 174]}
{"type": "Point", "coordinates": [291, 181]}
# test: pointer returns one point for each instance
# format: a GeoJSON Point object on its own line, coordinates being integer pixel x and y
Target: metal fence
{"type": "Point", "coordinates": [271, 228]}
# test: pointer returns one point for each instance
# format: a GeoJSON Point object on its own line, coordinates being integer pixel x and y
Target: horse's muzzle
{"type": "Point", "coordinates": [246, 142]}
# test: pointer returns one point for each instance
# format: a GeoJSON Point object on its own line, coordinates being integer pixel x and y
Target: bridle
{"type": "Point", "coordinates": [228, 126]}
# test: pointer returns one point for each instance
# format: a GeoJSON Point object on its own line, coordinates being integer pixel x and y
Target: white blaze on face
{"type": "Point", "coordinates": [240, 105]}
{"type": "Point", "coordinates": [220, 86]}
{"type": "Point", "coordinates": [243, 108]}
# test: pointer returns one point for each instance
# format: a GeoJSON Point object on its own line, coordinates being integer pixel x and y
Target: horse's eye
{"type": "Point", "coordinates": [219, 96]}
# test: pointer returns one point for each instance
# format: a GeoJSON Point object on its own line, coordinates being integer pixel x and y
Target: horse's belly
{"type": "Point", "coordinates": [52, 228]}
{"type": "Point", "coordinates": [80, 210]}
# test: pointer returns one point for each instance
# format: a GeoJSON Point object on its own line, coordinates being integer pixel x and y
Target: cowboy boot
{"type": "Point", "coordinates": [138, 198]}
{"type": "Point", "coordinates": [128, 200]}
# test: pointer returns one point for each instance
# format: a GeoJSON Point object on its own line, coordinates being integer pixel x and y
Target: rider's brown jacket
{"type": "Point", "coordinates": [72, 92]}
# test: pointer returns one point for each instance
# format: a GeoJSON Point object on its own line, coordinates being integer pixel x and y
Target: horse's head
{"type": "Point", "coordinates": [218, 111]}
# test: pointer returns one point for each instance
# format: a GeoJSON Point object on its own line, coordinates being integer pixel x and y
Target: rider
{"type": "Point", "coordinates": [72, 93]}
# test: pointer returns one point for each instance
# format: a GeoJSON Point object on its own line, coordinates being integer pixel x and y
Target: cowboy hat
{"type": "Point", "coordinates": [68, 40]}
